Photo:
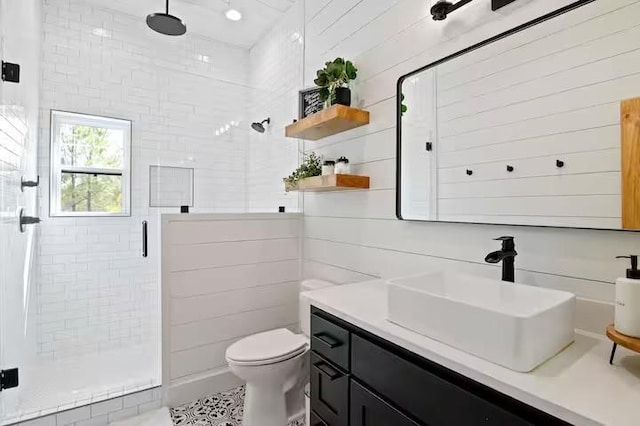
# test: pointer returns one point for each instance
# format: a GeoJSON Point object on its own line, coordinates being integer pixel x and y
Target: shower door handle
{"type": "Point", "coordinates": [29, 183]}
{"type": "Point", "coordinates": [145, 243]}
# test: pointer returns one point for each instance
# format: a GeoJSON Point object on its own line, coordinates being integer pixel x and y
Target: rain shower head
{"type": "Point", "coordinates": [166, 24]}
{"type": "Point", "coordinates": [259, 127]}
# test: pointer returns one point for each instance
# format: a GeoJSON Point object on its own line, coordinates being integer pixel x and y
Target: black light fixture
{"type": "Point", "coordinates": [442, 8]}
{"type": "Point", "coordinates": [497, 4]}
{"type": "Point", "coordinates": [164, 23]}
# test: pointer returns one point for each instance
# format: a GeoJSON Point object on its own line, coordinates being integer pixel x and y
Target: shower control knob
{"type": "Point", "coordinates": [27, 220]}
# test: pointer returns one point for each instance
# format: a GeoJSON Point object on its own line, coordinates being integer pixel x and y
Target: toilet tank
{"type": "Point", "coordinates": [305, 306]}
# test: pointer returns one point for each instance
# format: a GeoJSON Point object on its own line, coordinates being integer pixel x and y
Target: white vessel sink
{"type": "Point", "coordinates": [513, 325]}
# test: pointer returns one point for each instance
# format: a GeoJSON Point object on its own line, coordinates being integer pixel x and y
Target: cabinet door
{"type": "Point", "coordinates": [315, 420]}
{"type": "Point", "coordinates": [427, 397]}
{"type": "Point", "coordinates": [368, 409]}
{"type": "Point", "coordinates": [329, 392]}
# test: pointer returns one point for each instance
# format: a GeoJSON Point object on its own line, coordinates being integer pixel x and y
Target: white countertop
{"type": "Point", "coordinates": [578, 385]}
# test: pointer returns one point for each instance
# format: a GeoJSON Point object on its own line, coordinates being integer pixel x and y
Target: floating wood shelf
{"type": "Point", "coordinates": [332, 183]}
{"type": "Point", "coordinates": [330, 121]}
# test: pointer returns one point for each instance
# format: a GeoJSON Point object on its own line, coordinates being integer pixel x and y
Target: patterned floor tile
{"type": "Point", "coordinates": [222, 409]}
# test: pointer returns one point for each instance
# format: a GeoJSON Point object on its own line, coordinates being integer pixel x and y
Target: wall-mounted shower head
{"type": "Point", "coordinates": [443, 8]}
{"type": "Point", "coordinates": [259, 127]}
{"type": "Point", "coordinates": [166, 24]}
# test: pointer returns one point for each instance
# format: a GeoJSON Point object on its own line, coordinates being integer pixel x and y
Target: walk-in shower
{"type": "Point", "coordinates": [122, 126]}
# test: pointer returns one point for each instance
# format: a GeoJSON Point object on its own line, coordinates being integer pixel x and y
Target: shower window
{"type": "Point", "coordinates": [90, 165]}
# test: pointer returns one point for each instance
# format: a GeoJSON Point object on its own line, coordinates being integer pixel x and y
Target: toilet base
{"type": "Point", "coordinates": [264, 405]}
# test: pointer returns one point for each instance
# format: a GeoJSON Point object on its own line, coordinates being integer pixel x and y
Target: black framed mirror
{"type": "Point", "coordinates": [525, 128]}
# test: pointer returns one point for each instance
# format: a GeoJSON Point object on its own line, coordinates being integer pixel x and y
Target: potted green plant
{"type": "Point", "coordinates": [311, 166]}
{"type": "Point", "coordinates": [333, 81]}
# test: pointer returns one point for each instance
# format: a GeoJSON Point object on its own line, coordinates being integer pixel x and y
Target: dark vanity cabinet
{"type": "Point", "coordinates": [330, 359]}
{"type": "Point", "coordinates": [358, 379]}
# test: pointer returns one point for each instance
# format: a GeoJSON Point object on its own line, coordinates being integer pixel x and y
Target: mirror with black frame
{"type": "Point", "coordinates": [537, 126]}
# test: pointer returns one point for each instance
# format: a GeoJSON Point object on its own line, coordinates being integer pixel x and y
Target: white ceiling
{"type": "Point", "coordinates": [206, 17]}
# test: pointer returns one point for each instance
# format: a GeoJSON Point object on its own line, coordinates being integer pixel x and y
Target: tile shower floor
{"type": "Point", "coordinates": [50, 386]}
{"type": "Point", "coordinates": [222, 409]}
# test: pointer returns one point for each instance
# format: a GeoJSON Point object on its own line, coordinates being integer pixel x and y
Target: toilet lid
{"type": "Point", "coordinates": [267, 347]}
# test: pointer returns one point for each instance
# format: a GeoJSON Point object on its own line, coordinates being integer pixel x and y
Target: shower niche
{"type": "Point", "coordinates": [525, 128]}
{"type": "Point", "coordinates": [170, 186]}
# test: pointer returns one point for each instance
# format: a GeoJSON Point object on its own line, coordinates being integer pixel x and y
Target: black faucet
{"type": "Point", "coordinates": [507, 256]}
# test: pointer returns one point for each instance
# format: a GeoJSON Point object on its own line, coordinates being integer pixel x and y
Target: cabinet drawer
{"type": "Point", "coordinates": [429, 398]}
{"type": "Point", "coordinates": [330, 340]}
{"type": "Point", "coordinates": [315, 420]}
{"type": "Point", "coordinates": [329, 392]}
{"type": "Point", "coordinates": [368, 409]}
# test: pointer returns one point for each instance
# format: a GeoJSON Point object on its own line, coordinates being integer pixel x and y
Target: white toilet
{"type": "Point", "coordinates": [271, 363]}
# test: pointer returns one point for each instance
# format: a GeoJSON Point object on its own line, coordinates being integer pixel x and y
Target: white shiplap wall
{"type": "Point", "coordinates": [224, 277]}
{"type": "Point", "coordinates": [355, 236]}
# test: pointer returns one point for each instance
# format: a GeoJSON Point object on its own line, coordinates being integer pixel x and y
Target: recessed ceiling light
{"type": "Point", "coordinates": [233, 15]}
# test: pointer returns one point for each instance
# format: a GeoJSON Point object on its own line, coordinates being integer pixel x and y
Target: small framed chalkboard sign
{"type": "Point", "coordinates": [310, 102]}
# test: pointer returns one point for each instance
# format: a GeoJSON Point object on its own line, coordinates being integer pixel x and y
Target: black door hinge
{"type": "Point", "coordinates": [8, 379]}
{"type": "Point", "coordinates": [10, 72]}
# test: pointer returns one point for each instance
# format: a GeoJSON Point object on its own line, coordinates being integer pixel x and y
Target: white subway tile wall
{"type": "Point", "coordinates": [103, 413]}
{"type": "Point", "coordinates": [95, 291]}
{"type": "Point", "coordinates": [276, 74]}
{"type": "Point", "coordinates": [355, 236]}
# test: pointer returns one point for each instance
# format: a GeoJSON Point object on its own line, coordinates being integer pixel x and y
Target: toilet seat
{"type": "Point", "coordinates": [267, 348]}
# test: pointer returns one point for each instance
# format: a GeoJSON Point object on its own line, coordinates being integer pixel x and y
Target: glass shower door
{"type": "Point", "coordinates": [19, 38]}
{"type": "Point", "coordinates": [2, 318]}
{"type": "Point", "coordinates": [97, 306]}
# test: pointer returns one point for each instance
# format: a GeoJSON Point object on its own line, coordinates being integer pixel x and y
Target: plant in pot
{"type": "Point", "coordinates": [333, 81]}
{"type": "Point", "coordinates": [311, 166]}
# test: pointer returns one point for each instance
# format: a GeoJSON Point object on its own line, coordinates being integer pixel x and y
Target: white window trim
{"type": "Point", "coordinates": [63, 117]}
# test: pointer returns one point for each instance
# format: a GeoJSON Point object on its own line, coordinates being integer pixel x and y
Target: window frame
{"type": "Point", "coordinates": [56, 168]}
